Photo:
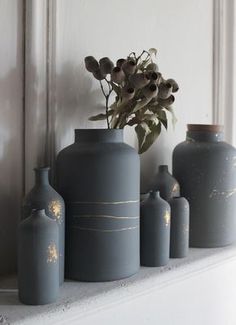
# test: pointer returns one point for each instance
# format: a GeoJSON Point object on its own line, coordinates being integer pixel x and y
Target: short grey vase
{"type": "Point", "coordinates": [155, 231]}
{"type": "Point", "coordinates": [38, 259]}
{"type": "Point", "coordinates": [43, 196]}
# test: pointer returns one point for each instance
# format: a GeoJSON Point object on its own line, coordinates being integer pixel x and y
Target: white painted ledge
{"type": "Point", "coordinates": [200, 289]}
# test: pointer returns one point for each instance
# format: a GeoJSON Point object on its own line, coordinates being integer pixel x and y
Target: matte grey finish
{"type": "Point", "coordinates": [155, 231]}
{"type": "Point", "coordinates": [179, 232]}
{"type": "Point", "coordinates": [205, 167]}
{"type": "Point", "coordinates": [38, 259]}
{"type": "Point", "coordinates": [99, 177]}
{"type": "Point", "coordinates": [165, 183]}
{"type": "Point", "coordinates": [43, 196]}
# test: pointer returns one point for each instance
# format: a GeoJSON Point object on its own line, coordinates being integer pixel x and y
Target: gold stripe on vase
{"type": "Point", "coordinates": [105, 230]}
{"type": "Point", "coordinates": [104, 216]}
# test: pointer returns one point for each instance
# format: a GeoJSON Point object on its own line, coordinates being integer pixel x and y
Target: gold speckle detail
{"type": "Point", "coordinates": [52, 253]}
{"type": "Point", "coordinates": [167, 218]}
{"type": "Point", "coordinates": [55, 209]}
{"type": "Point", "coordinates": [175, 188]}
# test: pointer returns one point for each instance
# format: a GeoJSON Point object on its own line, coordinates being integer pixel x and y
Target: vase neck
{"type": "Point", "coordinates": [98, 135]}
{"type": "Point", "coordinates": [41, 176]}
{"type": "Point", "coordinates": [204, 133]}
{"type": "Point", "coordinates": [163, 168]}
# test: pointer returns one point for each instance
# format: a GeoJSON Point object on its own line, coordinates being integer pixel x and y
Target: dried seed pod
{"type": "Point", "coordinates": [127, 93]}
{"type": "Point", "coordinates": [120, 62]}
{"type": "Point", "coordinates": [91, 63]}
{"type": "Point", "coordinates": [165, 90]}
{"type": "Point", "coordinates": [129, 67]}
{"type": "Point", "coordinates": [152, 75]}
{"type": "Point", "coordinates": [152, 67]}
{"type": "Point", "coordinates": [166, 102]}
{"type": "Point", "coordinates": [150, 91]}
{"type": "Point", "coordinates": [99, 75]}
{"type": "Point", "coordinates": [175, 86]}
{"type": "Point", "coordinates": [117, 75]}
{"type": "Point", "coordinates": [106, 65]}
{"type": "Point", "coordinates": [139, 80]}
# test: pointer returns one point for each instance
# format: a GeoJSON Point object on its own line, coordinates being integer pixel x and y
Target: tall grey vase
{"type": "Point", "coordinates": [38, 259]}
{"type": "Point", "coordinates": [99, 177]}
{"type": "Point", "coordinates": [165, 183]}
{"type": "Point", "coordinates": [43, 196]}
{"type": "Point", "coordinates": [179, 235]}
{"type": "Point", "coordinates": [204, 165]}
{"type": "Point", "coordinates": [155, 231]}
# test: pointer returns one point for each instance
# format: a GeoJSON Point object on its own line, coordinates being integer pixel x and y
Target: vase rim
{"type": "Point", "coordinates": [99, 135]}
{"type": "Point", "coordinates": [215, 128]}
{"type": "Point", "coordinates": [46, 168]}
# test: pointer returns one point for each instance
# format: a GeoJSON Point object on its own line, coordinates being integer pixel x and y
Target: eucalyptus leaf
{"type": "Point", "coordinates": [101, 116]}
{"type": "Point", "coordinates": [152, 51]}
{"type": "Point", "coordinates": [150, 138]}
{"type": "Point", "coordinates": [142, 131]}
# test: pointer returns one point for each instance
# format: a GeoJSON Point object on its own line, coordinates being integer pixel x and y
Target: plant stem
{"type": "Point", "coordinates": [107, 102]}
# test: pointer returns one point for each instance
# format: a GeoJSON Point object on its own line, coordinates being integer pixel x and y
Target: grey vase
{"type": "Point", "coordinates": [165, 183]}
{"type": "Point", "coordinates": [99, 177]}
{"type": "Point", "coordinates": [38, 259]}
{"type": "Point", "coordinates": [43, 196]}
{"type": "Point", "coordinates": [155, 231]}
{"type": "Point", "coordinates": [179, 235]}
{"type": "Point", "coordinates": [204, 165]}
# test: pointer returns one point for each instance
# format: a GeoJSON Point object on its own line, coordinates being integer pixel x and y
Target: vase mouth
{"type": "Point", "coordinates": [98, 135]}
{"type": "Point", "coordinates": [42, 168]}
{"type": "Point", "coordinates": [214, 128]}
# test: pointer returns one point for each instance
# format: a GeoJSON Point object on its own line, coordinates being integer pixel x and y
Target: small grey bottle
{"type": "Point", "coordinates": [179, 235]}
{"type": "Point", "coordinates": [165, 183]}
{"type": "Point", "coordinates": [38, 259]}
{"type": "Point", "coordinates": [155, 231]}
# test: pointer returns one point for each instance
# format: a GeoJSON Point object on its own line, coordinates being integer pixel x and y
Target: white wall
{"type": "Point", "coordinates": [11, 128]}
{"type": "Point", "coordinates": [180, 30]}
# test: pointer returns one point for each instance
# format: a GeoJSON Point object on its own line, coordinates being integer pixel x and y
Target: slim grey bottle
{"type": "Point", "coordinates": [38, 259]}
{"type": "Point", "coordinates": [165, 183]}
{"type": "Point", "coordinates": [43, 196]}
{"type": "Point", "coordinates": [179, 235]}
{"type": "Point", "coordinates": [155, 231]}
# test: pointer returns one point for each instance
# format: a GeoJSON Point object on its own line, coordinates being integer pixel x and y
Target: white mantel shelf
{"type": "Point", "coordinates": [200, 289]}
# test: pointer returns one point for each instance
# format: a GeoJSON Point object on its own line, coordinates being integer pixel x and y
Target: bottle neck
{"type": "Point", "coordinates": [41, 176]}
{"type": "Point", "coordinates": [98, 135]}
{"type": "Point", "coordinates": [154, 194]}
{"type": "Point", "coordinates": [163, 168]}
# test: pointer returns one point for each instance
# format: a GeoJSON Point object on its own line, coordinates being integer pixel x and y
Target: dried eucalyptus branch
{"type": "Point", "coordinates": [143, 96]}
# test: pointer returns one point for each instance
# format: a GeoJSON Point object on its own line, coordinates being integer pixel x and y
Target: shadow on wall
{"type": "Point", "coordinates": [10, 167]}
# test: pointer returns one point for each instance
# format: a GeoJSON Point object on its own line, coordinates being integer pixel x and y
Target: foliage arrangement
{"type": "Point", "coordinates": [143, 96]}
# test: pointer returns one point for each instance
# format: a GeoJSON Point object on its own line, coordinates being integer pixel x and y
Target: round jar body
{"type": "Point", "coordinates": [205, 167]}
{"type": "Point", "coordinates": [154, 231]}
{"type": "Point", "coordinates": [99, 176]}
{"type": "Point", "coordinates": [43, 196]}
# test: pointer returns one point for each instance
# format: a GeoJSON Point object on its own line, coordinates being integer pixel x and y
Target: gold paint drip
{"type": "Point", "coordinates": [105, 202]}
{"type": "Point", "coordinates": [167, 218]}
{"type": "Point", "coordinates": [102, 216]}
{"type": "Point", "coordinates": [105, 230]}
{"type": "Point", "coordinates": [55, 209]}
{"type": "Point", "coordinates": [52, 253]}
